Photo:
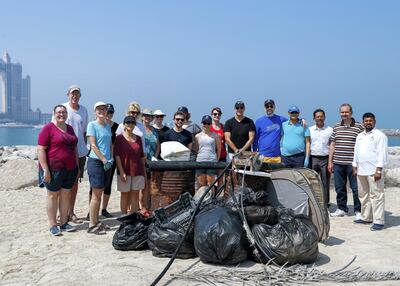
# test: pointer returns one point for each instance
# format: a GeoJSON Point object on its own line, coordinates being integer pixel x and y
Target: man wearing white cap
{"type": "Point", "coordinates": [78, 119]}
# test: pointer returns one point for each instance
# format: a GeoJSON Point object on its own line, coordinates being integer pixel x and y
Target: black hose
{"type": "Point", "coordinates": [161, 275]}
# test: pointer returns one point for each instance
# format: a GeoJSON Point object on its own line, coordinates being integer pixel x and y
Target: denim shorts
{"type": "Point", "coordinates": [63, 179]}
{"type": "Point", "coordinates": [210, 172]}
{"type": "Point", "coordinates": [98, 178]}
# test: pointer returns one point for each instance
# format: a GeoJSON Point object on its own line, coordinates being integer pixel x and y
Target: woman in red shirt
{"type": "Point", "coordinates": [218, 128]}
{"type": "Point", "coordinates": [130, 159]}
{"type": "Point", "coordinates": [58, 167]}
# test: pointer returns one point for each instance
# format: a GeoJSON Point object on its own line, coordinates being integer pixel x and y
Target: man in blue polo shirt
{"type": "Point", "coordinates": [295, 142]}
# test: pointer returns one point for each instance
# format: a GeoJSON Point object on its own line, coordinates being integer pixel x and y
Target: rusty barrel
{"type": "Point", "coordinates": [166, 186]}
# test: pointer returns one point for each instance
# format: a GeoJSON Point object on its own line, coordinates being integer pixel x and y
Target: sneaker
{"type": "Point", "coordinates": [105, 213]}
{"type": "Point", "coordinates": [358, 216]}
{"type": "Point", "coordinates": [377, 226]}
{"type": "Point", "coordinates": [338, 213]}
{"type": "Point", "coordinates": [55, 231]}
{"type": "Point", "coordinates": [67, 227]}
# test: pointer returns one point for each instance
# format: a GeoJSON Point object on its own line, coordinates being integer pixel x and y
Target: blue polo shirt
{"type": "Point", "coordinates": [293, 138]}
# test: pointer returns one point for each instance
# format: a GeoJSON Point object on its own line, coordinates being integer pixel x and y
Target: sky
{"type": "Point", "coordinates": [201, 54]}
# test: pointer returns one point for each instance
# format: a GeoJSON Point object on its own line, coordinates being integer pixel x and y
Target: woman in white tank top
{"type": "Point", "coordinates": [209, 149]}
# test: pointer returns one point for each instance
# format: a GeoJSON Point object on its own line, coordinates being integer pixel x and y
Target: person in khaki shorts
{"type": "Point", "coordinates": [130, 160]}
{"type": "Point", "coordinates": [370, 156]}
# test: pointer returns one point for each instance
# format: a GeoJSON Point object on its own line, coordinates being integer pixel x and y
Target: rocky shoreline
{"type": "Point", "coordinates": [18, 167]}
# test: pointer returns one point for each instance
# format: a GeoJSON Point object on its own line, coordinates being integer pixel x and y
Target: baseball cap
{"type": "Point", "coordinates": [129, 119]}
{"type": "Point", "coordinates": [158, 112]}
{"type": "Point", "coordinates": [147, 111]}
{"type": "Point", "coordinates": [239, 104]}
{"type": "Point", "coordinates": [206, 119]}
{"type": "Point", "coordinates": [73, 88]}
{"type": "Point", "coordinates": [183, 109]}
{"type": "Point", "coordinates": [294, 108]}
{"type": "Point", "coordinates": [110, 107]}
{"type": "Point", "coordinates": [99, 103]}
{"type": "Point", "coordinates": [269, 101]}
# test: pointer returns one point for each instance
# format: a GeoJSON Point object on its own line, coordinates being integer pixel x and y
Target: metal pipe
{"type": "Point", "coordinates": [184, 165]}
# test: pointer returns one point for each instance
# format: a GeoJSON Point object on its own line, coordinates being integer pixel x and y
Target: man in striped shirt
{"type": "Point", "coordinates": [341, 153]}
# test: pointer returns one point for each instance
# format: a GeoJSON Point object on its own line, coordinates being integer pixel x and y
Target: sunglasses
{"type": "Point", "coordinates": [206, 123]}
{"type": "Point", "coordinates": [130, 122]}
{"type": "Point", "coordinates": [294, 112]}
{"type": "Point", "coordinates": [159, 116]}
{"type": "Point", "coordinates": [269, 106]}
{"type": "Point", "coordinates": [239, 107]}
{"type": "Point", "coordinates": [110, 112]}
{"type": "Point", "coordinates": [179, 119]}
{"type": "Point", "coordinates": [217, 114]}
{"type": "Point", "coordinates": [133, 112]}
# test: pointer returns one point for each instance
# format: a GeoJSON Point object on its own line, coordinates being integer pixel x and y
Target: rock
{"type": "Point", "coordinates": [394, 151]}
{"type": "Point", "coordinates": [18, 174]}
{"type": "Point", "coordinates": [392, 177]}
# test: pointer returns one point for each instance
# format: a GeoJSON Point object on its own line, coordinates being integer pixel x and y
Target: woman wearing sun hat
{"type": "Point", "coordinates": [159, 125]}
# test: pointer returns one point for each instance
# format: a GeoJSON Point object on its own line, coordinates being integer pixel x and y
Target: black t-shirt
{"type": "Point", "coordinates": [114, 128]}
{"type": "Point", "coordinates": [161, 132]}
{"type": "Point", "coordinates": [239, 131]}
{"type": "Point", "coordinates": [184, 137]}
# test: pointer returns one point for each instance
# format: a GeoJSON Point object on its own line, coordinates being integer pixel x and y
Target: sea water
{"type": "Point", "coordinates": [28, 136]}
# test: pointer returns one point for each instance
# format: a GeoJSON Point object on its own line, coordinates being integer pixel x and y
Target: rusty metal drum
{"type": "Point", "coordinates": [166, 186]}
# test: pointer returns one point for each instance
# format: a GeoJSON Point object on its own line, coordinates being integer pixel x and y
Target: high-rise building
{"type": "Point", "coordinates": [15, 92]}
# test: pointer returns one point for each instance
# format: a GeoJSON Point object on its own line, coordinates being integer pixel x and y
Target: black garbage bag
{"type": "Point", "coordinates": [132, 233]}
{"type": "Point", "coordinates": [164, 239]}
{"type": "Point", "coordinates": [170, 225]}
{"type": "Point", "coordinates": [294, 239]}
{"type": "Point", "coordinates": [261, 214]}
{"type": "Point", "coordinates": [250, 197]}
{"type": "Point", "coordinates": [219, 237]}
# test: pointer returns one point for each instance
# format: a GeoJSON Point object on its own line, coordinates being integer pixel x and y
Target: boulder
{"type": "Point", "coordinates": [18, 174]}
{"type": "Point", "coordinates": [392, 177]}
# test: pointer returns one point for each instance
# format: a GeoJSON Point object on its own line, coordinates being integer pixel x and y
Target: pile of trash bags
{"type": "Point", "coordinates": [218, 235]}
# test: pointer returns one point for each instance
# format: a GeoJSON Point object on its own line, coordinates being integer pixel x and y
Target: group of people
{"type": "Point", "coordinates": [350, 150]}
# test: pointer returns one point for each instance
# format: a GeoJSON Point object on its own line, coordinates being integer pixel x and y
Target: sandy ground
{"type": "Point", "coordinates": [29, 255]}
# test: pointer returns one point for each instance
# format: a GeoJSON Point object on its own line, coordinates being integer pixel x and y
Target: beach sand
{"type": "Point", "coordinates": [30, 256]}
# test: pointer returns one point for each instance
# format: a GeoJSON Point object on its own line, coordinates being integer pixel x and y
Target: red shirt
{"type": "Point", "coordinates": [220, 133]}
{"type": "Point", "coordinates": [61, 147]}
{"type": "Point", "coordinates": [131, 155]}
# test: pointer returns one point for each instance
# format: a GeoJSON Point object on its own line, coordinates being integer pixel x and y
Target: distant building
{"type": "Point", "coordinates": [15, 92]}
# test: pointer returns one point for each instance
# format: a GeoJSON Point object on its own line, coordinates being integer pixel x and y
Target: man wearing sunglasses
{"type": "Point", "coordinates": [177, 133]}
{"type": "Point", "coordinates": [268, 133]}
{"type": "Point", "coordinates": [295, 143]}
{"type": "Point", "coordinates": [239, 131]}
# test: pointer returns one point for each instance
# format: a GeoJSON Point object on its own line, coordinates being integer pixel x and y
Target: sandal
{"type": "Point", "coordinates": [97, 229]}
{"type": "Point", "coordinates": [73, 218]}
{"type": "Point", "coordinates": [106, 227]}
